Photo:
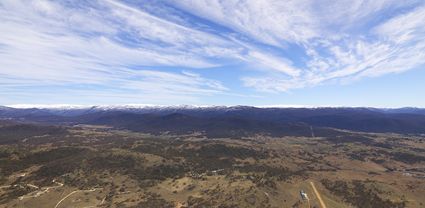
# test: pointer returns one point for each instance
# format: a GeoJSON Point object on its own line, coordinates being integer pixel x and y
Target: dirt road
{"type": "Point", "coordinates": [318, 195]}
{"type": "Point", "coordinates": [91, 190]}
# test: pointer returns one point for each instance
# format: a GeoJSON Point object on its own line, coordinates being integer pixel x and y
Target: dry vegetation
{"type": "Point", "coordinates": [90, 166]}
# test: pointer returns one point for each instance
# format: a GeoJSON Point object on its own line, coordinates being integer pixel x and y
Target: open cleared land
{"type": "Point", "coordinates": [97, 166]}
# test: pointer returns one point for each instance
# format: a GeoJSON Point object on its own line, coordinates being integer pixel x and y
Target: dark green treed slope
{"type": "Point", "coordinates": [238, 120]}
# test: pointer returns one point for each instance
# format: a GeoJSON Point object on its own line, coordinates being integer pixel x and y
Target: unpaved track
{"type": "Point", "coordinates": [66, 197]}
{"type": "Point", "coordinates": [318, 195]}
{"type": "Point", "coordinates": [91, 190]}
{"type": "Point", "coordinates": [39, 192]}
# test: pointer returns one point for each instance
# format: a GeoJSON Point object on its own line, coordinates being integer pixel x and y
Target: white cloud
{"type": "Point", "coordinates": [291, 44]}
{"type": "Point", "coordinates": [44, 44]}
{"type": "Point", "coordinates": [267, 21]}
{"type": "Point", "coordinates": [393, 46]}
{"type": "Point", "coordinates": [404, 28]}
{"type": "Point", "coordinates": [278, 64]}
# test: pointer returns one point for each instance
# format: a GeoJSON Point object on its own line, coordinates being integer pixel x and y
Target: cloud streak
{"type": "Point", "coordinates": [339, 42]}
{"type": "Point", "coordinates": [48, 44]}
{"type": "Point", "coordinates": [129, 49]}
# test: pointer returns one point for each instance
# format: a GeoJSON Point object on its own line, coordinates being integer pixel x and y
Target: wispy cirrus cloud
{"type": "Point", "coordinates": [105, 42]}
{"type": "Point", "coordinates": [45, 43]}
{"type": "Point", "coordinates": [270, 22]}
{"type": "Point", "coordinates": [161, 49]}
{"type": "Point", "coordinates": [340, 42]}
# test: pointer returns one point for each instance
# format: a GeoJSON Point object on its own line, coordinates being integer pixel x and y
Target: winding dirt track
{"type": "Point", "coordinates": [318, 195]}
{"type": "Point", "coordinates": [72, 194]}
{"type": "Point", "coordinates": [65, 197]}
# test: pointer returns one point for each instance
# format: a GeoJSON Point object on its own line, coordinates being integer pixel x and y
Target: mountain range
{"type": "Point", "coordinates": [228, 121]}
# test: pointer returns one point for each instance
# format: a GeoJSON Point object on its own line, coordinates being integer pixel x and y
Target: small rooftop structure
{"type": "Point", "coordinates": [303, 195]}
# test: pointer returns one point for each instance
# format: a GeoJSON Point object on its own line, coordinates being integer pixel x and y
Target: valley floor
{"type": "Point", "coordinates": [95, 166]}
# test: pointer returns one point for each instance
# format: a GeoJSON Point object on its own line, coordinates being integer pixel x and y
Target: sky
{"type": "Point", "coordinates": [213, 52]}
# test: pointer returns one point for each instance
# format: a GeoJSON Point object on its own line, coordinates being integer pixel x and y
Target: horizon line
{"type": "Point", "coordinates": [84, 106]}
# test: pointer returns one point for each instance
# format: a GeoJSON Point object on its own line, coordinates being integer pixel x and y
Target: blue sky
{"type": "Point", "coordinates": [213, 52]}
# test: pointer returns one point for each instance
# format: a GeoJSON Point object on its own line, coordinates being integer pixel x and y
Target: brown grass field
{"type": "Point", "coordinates": [94, 166]}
